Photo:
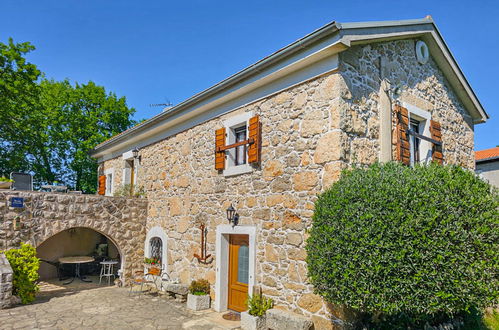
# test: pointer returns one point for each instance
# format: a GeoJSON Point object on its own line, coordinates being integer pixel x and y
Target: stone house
{"type": "Point", "coordinates": [270, 138]}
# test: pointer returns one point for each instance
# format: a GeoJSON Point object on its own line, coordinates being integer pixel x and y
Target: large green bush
{"type": "Point", "coordinates": [25, 266]}
{"type": "Point", "coordinates": [396, 241]}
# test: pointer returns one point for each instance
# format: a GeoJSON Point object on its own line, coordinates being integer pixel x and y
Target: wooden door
{"type": "Point", "coordinates": [238, 272]}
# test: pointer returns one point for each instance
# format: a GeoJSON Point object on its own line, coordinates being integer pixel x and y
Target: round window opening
{"type": "Point", "coordinates": [156, 249]}
{"type": "Point", "coordinates": [422, 52]}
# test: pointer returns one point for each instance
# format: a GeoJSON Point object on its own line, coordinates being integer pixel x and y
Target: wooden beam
{"type": "Point", "coordinates": [237, 144]}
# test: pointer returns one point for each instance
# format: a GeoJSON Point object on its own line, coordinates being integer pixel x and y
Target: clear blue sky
{"type": "Point", "coordinates": [158, 51]}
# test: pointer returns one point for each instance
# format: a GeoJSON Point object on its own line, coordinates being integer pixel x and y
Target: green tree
{"type": "Point", "coordinates": [48, 127]}
{"type": "Point", "coordinates": [407, 244]}
{"type": "Point", "coordinates": [18, 94]}
{"type": "Point", "coordinates": [86, 115]}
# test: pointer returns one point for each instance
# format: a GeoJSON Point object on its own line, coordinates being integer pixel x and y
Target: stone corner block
{"type": "Point", "coordinates": [278, 319]}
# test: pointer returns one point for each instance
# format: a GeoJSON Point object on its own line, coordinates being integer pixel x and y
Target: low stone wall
{"type": "Point", "coordinates": [123, 220]}
{"type": "Point", "coordinates": [5, 282]}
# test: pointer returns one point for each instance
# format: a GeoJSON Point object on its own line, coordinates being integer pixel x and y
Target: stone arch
{"type": "Point", "coordinates": [39, 240]}
{"type": "Point", "coordinates": [157, 231]}
{"type": "Point", "coordinates": [122, 220]}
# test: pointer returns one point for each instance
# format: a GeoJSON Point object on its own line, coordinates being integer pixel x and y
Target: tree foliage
{"type": "Point", "coordinates": [48, 127]}
{"type": "Point", "coordinates": [392, 240]}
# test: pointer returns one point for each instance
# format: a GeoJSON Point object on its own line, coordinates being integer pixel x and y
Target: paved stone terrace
{"type": "Point", "coordinates": [90, 306]}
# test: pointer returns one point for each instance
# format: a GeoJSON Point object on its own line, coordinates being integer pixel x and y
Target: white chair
{"type": "Point", "coordinates": [107, 271]}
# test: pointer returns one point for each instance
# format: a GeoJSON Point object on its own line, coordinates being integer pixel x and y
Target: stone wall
{"type": "Point", "coordinates": [5, 282]}
{"type": "Point", "coordinates": [422, 85]}
{"type": "Point", "coordinates": [310, 133]}
{"type": "Point", "coordinates": [121, 219]}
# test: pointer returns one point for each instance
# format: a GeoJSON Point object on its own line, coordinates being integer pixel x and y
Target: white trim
{"type": "Point", "coordinates": [222, 262]}
{"type": "Point", "coordinates": [229, 124]}
{"type": "Point", "coordinates": [127, 155]}
{"type": "Point", "coordinates": [157, 232]}
{"type": "Point", "coordinates": [425, 147]}
{"type": "Point", "coordinates": [110, 185]}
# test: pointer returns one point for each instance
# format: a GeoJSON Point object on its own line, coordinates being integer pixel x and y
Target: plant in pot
{"type": "Point", "coordinates": [5, 182]}
{"type": "Point", "coordinates": [199, 295]}
{"type": "Point", "coordinates": [254, 317]}
{"type": "Point", "coordinates": [152, 262]}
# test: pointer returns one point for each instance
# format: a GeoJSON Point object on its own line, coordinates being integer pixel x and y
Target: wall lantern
{"type": "Point", "coordinates": [232, 216]}
{"type": "Point", "coordinates": [135, 153]}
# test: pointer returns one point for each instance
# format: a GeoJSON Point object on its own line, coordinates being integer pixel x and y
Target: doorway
{"type": "Point", "coordinates": [238, 272]}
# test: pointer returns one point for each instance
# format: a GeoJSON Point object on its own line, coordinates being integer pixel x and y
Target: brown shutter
{"type": "Point", "coordinates": [219, 142]}
{"type": "Point", "coordinates": [255, 135]}
{"type": "Point", "coordinates": [436, 134]}
{"type": "Point", "coordinates": [102, 185]}
{"type": "Point", "coordinates": [403, 149]}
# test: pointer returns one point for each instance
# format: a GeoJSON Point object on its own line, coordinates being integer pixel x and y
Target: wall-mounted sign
{"type": "Point", "coordinates": [17, 202]}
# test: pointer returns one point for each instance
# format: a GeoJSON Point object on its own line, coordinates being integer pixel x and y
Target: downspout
{"type": "Point", "coordinates": [385, 117]}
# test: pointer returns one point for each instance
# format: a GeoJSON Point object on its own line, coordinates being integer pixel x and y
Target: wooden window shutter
{"type": "Point", "coordinates": [436, 134]}
{"type": "Point", "coordinates": [255, 136]}
{"type": "Point", "coordinates": [219, 142]}
{"type": "Point", "coordinates": [403, 149]}
{"type": "Point", "coordinates": [102, 185]}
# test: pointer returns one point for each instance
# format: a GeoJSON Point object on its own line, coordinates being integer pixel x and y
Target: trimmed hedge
{"type": "Point", "coordinates": [393, 240]}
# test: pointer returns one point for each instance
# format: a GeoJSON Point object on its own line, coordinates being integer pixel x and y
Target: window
{"type": "Point", "coordinates": [236, 129]}
{"type": "Point", "coordinates": [415, 142]}
{"type": "Point", "coordinates": [109, 184]}
{"type": "Point", "coordinates": [109, 173]}
{"type": "Point", "coordinates": [240, 135]}
{"type": "Point", "coordinates": [156, 249]}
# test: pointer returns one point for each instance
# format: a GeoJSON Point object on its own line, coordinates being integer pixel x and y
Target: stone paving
{"type": "Point", "coordinates": [85, 306]}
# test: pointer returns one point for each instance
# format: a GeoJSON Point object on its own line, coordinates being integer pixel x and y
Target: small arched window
{"type": "Point", "coordinates": [156, 249]}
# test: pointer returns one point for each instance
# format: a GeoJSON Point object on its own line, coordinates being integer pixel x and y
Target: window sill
{"type": "Point", "coordinates": [238, 170]}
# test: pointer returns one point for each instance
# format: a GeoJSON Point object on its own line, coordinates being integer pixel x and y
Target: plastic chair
{"type": "Point", "coordinates": [107, 271]}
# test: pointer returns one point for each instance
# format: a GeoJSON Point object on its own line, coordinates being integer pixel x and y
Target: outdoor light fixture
{"type": "Point", "coordinates": [135, 153]}
{"type": "Point", "coordinates": [232, 216]}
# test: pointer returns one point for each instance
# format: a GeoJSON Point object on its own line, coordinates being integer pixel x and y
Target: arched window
{"type": "Point", "coordinates": [156, 249]}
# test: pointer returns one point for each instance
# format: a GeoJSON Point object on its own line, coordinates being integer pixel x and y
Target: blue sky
{"type": "Point", "coordinates": [159, 51]}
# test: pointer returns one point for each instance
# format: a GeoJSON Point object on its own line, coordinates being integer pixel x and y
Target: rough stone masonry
{"type": "Point", "coordinates": [310, 133]}
{"type": "Point", "coordinates": [121, 219]}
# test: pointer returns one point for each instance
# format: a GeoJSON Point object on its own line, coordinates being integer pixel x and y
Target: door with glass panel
{"type": "Point", "coordinates": [238, 272]}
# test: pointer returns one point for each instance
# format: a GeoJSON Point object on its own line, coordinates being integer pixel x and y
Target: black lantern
{"type": "Point", "coordinates": [232, 216]}
{"type": "Point", "coordinates": [135, 153]}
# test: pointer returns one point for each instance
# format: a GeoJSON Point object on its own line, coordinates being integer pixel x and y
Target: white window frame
{"type": "Point", "coordinates": [128, 156]}
{"type": "Point", "coordinates": [231, 124]}
{"type": "Point", "coordinates": [109, 185]}
{"type": "Point", "coordinates": [424, 118]}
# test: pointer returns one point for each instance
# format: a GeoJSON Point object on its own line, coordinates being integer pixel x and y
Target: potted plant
{"type": "Point", "coordinates": [152, 262]}
{"type": "Point", "coordinates": [5, 183]}
{"type": "Point", "coordinates": [254, 317]}
{"type": "Point", "coordinates": [199, 295]}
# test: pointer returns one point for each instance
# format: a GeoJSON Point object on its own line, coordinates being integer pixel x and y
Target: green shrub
{"type": "Point", "coordinates": [407, 244]}
{"type": "Point", "coordinates": [25, 266]}
{"type": "Point", "coordinates": [5, 179]}
{"type": "Point", "coordinates": [200, 287]}
{"type": "Point", "coordinates": [258, 304]}
{"type": "Point", "coordinates": [126, 190]}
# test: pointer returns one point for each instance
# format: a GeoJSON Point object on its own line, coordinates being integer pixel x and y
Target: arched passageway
{"type": "Point", "coordinates": [79, 241]}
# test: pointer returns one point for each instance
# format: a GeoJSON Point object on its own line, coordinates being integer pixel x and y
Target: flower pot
{"type": "Point", "coordinates": [250, 322]}
{"type": "Point", "coordinates": [198, 303]}
{"type": "Point", "coordinates": [5, 185]}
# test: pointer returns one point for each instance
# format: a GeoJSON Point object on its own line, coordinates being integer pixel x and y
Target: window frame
{"type": "Point", "coordinates": [423, 117]}
{"type": "Point", "coordinates": [109, 185]}
{"type": "Point", "coordinates": [231, 125]}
